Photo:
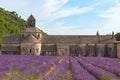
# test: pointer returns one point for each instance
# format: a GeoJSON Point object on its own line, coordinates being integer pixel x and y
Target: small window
{"type": "Point", "coordinates": [22, 35]}
{"type": "Point", "coordinates": [38, 35]}
{"type": "Point", "coordinates": [30, 50]}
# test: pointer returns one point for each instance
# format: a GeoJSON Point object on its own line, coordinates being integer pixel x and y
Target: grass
{"type": "Point", "coordinates": [69, 70]}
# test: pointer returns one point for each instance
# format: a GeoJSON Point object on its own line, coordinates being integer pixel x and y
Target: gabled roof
{"type": "Point", "coordinates": [31, 17]}
{"type": "Point", "coordinates": [30, 38]}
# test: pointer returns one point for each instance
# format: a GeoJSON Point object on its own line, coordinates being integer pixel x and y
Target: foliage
{"type": "Point", "coordinates": [117, 36]}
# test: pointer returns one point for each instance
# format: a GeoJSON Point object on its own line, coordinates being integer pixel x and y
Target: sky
{"type": "Point", "coordinates": [69, 17]}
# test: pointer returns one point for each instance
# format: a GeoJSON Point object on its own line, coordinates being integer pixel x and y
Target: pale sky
{"type": "Point", "coordinates": [69, 17]}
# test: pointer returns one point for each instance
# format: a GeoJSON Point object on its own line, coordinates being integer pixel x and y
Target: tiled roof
{"type": "Point", "coordinates": [30, 38]}
{"type": "Point", "coordinates": [32, 29]}
{"type": "Point", "coordinates": [11, 38]}
{"type": "Point", "coordinates": [77, 39]}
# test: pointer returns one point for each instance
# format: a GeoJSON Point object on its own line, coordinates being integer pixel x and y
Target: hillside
{"type": "Point", "coordinates": [11, 23]}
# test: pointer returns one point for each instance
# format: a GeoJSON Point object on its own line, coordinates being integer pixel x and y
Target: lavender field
{"type": "Point", "coordinates": [23, 67]}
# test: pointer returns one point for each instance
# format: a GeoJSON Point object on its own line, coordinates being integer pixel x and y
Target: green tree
{"type": "Point", "coordinates": [117, 36]}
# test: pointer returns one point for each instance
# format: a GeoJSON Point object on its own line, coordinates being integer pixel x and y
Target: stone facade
{"type": "Point", "coordinates": [118, 49]}
{"type": "Point", "coordinates": [31, 41]}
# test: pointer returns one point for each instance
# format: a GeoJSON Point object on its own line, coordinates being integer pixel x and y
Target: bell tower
{"type": "Point", "coordinates": [31, 22]}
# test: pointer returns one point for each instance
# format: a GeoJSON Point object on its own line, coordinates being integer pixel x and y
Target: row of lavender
{"type": "Point", "coordinates": [109, 64]}
{"type": "Point", "coordinates": [78, 72]}
{"type": "Point", "coordinates": [60, 72]}
{"type": "Point", "coordinates": [95, 68]}
{"type": "Point", "coordinates": [99, 73]}
{"type": "Point", "coordinates": [15, 67]}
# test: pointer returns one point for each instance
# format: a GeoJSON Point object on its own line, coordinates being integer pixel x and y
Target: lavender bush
{"type": "Point", "coordinates": [99, 73]}
{"type": "Point", "coordinates": [16, 67]}
{"type": "Point", "coordinates": [79, 73]}
{"type": "Point", "coordinates": [60, 72]}
{"type": "Point", "coordinates": [30, 67]}
{"type": "Point", "coordinates": [109, 64]}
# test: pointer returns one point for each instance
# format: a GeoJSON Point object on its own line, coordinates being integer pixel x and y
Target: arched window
{"type": "Point", "coordinates": [32, 23]}
{"type": "Point", "coordinates": [38, 35]}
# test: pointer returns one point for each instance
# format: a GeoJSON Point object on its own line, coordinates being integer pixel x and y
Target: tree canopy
{"type": "Point", "coordinates": [117, 36]}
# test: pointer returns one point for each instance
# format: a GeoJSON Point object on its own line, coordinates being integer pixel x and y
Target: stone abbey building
{"type": "Point", "coordinates": [31, 42]}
